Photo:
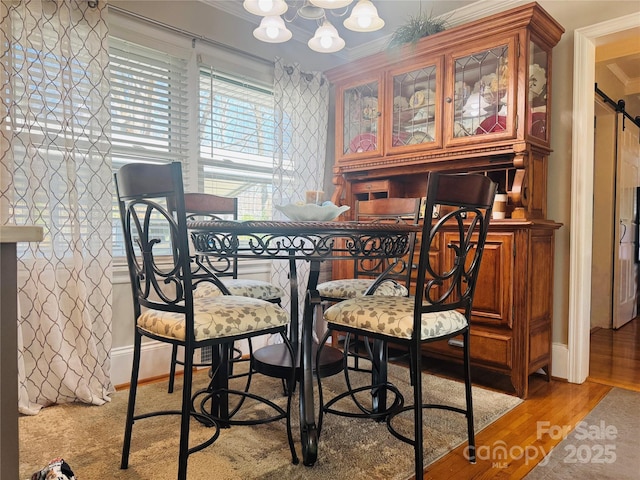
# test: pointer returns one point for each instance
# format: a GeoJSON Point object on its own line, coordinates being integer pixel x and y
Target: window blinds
{"type": "Point", "coordinates": [149, 105]}
{"type": "Point", "coordinates": [237, 141]}
{"type": "Point", "coordinates": [149, 113]}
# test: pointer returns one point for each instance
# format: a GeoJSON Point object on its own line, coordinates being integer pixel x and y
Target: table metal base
{"type": "Point", "coordinates": [275, 361]}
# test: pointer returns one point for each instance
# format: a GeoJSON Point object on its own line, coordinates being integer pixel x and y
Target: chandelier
{"type": "Point", "coordinates": [273, 29]}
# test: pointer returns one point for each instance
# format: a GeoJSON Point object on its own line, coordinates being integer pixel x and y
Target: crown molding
{"type": "Point", "coordinates": [474, 11]}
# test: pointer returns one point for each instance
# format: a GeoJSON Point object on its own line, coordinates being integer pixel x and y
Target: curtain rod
{"type": "Point", "coordinates": [191, 35]}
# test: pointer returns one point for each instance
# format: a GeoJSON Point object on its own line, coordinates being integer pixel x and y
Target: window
{"type": "Point", "coordinates": [149, 112]}
{"type": "Point", "coordinates": [232, 153]}
{"type": "Point", "coordinates": [236, 137]}
{"type": "Point", "coordinates": [149, 109]}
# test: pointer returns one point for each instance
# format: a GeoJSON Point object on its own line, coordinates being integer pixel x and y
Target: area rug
{"type": "Point", "coordinates": [602, 446]}
{"type": "Point", "coordinates": [89, 438]}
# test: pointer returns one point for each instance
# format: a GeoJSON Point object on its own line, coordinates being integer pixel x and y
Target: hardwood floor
{"type": "Point", "coordinates": [522, 432]}
{"type": "Point", "coordinates": [528, 431]}
{"type": "Point", "coordinates": [615, 356]}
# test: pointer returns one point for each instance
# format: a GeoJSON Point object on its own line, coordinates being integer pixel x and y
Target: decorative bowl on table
{"type": "Point", "coordinates": [312, 212]}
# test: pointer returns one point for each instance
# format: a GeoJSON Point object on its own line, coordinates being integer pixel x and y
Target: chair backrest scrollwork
{"type": "Point", "coordinates": [155, 236]}
{"type": "Point", "coordinates": [459, 207]}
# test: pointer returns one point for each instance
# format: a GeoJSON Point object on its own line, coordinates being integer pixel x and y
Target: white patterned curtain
{"type": "Point", "coordinates": [301, 116]}
{"type": "Point", "coordinates": [55, 171]}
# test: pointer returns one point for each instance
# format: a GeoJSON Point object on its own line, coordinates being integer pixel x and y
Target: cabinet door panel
{"type": "Point", "coordinates": [416, 118]}
{"type": "Point", "coordinates": [359, 108]}
{"type": "Point", "coordinates": [538, 92]}
{"type": "Point", "coordinates": [481, 100]}
{"type": "Point", "coordinates": [492, 300]}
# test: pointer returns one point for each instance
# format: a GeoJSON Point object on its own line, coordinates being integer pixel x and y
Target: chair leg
{"type": "Point", "coordinates": [133, 389]}
{"type": "Point", "coordinates": [411, 369]}
{"type": "Point", "coordinates": [185, 416]}
{"type": "Point", "coordinates": [172, 368]}
{"type": "Point", "coordinates": [290, 390]}
{"type": "Point", "coordinates": [221, 401]}
{"type": "Point", "coordinates": [467, 385]}
{"type": "Point", "coordinates": [416, 374]}
{"type": "Point", "coordinates": [321, 345]}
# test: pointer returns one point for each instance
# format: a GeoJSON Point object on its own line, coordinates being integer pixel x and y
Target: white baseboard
{"type": "Point", "coordinates": [154, 362]}
{"type": "Point", "coordinates": [155, 359]}
{"type": "Point", "coordinates": [157, 355]}
{"type": "Point", "coordinates": [560, 360]}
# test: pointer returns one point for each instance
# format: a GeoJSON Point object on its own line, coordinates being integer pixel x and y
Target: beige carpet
{"type": "Point", "coordinates": [604, 445]}
{"type": "Point", "coordinates": [89, 438]}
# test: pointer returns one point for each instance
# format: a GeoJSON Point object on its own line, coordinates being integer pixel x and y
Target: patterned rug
{"type": "Point", "coordinates": [89, 438]}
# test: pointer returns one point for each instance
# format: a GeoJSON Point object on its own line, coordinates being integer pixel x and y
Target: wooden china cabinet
{"type": "Point", "coordinates": [474, 98]}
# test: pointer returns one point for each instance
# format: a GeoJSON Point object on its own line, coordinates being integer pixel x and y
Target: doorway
{"type": "Point", "coordinates": [582, 191]}
{"type": "Point", "coordinates": [614, 259]}
{"type": "Point", "coordinates": [603, 215]}
{"type": "Point", "coordinates": [625, 259]}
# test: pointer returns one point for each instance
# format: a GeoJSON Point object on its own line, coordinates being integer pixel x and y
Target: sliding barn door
{"type": "Point", "coordinates": [625, 269]}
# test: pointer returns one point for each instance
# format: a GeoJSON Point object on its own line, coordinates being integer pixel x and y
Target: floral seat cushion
{"type": "Point", "coordinates": [241, 288]}
{"type": "Point", "coordinates": [393, 316]}
{"type": "Point", "coordinates": [216, 317]}
{"type": "Point", "coordinates": [355, 287]}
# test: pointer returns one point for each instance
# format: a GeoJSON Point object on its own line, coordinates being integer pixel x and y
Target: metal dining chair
{"type": "Point", "coordinates": [165, 308]}
{"type": "Point", "coordinates": [366, 277]}
{"type": "Point", "coordinates": [460, 206]}
{"type": "Point", "coordinates": [207, 206]}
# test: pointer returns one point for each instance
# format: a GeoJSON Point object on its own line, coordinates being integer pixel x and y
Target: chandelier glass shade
{"type": "Point", "coordinates": [364, 18]}
{"type": "Point", "coordinates": [265, 8]}
{"type": "Point", "coordinates": [272, 29]}
{"type": "Point", "coordinates": [327, 39]}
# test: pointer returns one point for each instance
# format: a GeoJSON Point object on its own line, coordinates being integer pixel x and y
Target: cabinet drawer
{"type": "Point", "coordinates": [371, 187]}
{"type": "Point", "coordinates": [487, 348]}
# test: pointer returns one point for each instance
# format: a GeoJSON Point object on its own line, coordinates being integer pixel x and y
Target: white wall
{"type": "Point", "coordinates": [604, 198]}
{"type": "Point", "coordinates": [603, 216]}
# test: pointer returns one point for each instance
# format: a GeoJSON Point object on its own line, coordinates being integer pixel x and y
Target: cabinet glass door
{"type": "Point", "coordinates": [537, 93]}
{"type": "Point", "coordinates": [361, 119]}
{"type": "Point", "coordinates": [415, 108]}
{"type": "Point", "coordinates": [481, 93]}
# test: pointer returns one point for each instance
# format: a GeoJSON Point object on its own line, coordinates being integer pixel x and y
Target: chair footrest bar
{"type": "Point", "coordinates": [208, 396]}
{"type": "Point", "coordinates": [408, 408]}
{"type": "Point", "coordinates": [398, 402]}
